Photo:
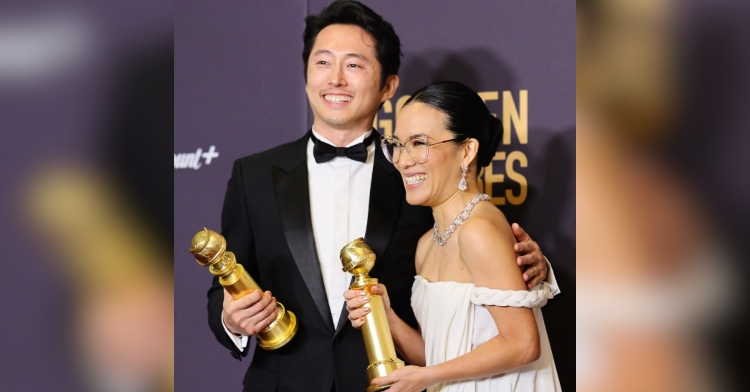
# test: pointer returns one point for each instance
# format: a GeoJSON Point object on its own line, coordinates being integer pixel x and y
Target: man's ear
{"type": "Point", "coordinates": [391, 84]}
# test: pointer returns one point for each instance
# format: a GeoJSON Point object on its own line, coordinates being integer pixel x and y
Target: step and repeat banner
{"type": "Point", "coordinates": [239, 89]}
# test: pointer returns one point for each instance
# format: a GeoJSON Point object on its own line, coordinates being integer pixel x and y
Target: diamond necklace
{"type": "Point", "coordinates": [441, 239]}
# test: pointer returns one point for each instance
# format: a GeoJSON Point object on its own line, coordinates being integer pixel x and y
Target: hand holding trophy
{"type": "Point", "coordinates": [358, 259]}
{"type": "Point", "coordinates": [209, 249]}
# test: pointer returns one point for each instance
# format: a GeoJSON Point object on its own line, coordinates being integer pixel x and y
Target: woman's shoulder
{"type": "Point", "coordinates": [486, 223]}
{"type": "Point", "coordinates": [486, 246]}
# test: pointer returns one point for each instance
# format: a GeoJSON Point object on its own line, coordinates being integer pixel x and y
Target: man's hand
{"type": "Point", "coordinates": [249, 314]}
{"type": "Point", "coordinates": [529, 257]}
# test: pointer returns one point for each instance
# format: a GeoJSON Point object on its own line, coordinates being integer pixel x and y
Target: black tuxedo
{"type": "Point", "coordinates": [266, 222]}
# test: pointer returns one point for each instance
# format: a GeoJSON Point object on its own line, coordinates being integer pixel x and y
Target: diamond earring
{"type": "Point", "coordinates": [462, 184]}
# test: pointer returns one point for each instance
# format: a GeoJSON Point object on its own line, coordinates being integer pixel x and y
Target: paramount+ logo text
{"type": "Point", "coordinates": [194, 160]}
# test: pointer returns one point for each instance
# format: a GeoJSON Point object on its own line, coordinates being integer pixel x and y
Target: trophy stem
{"type": "Point", "coordinates": [238, 282]}
{"type": "Point", "coordinates": [376, 333]}
{"type": "Point", "coordinates": [358, 259]}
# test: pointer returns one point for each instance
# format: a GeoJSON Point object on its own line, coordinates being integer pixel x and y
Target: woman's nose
{"type": "Point", "coordinates": [404, 160]}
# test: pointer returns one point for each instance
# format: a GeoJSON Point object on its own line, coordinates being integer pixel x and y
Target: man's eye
{"type": "Point", "coordinates": [418, 142]}
{"type": "Point", "coordinates": [354, 66]}
{"type": "Point", "coordinates": [322, 62]}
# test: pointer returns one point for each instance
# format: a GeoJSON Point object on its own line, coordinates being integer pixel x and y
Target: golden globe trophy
{"type": "Point", "coordinates": [358, 259]}
{"type": "Point", "coordinates": [209, 249]}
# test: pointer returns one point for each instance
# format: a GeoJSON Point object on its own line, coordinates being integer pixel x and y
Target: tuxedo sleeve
{"type": "Point", "coordinates": [237, 230]}
{"type": "Point", "coordinates": [554, 288]}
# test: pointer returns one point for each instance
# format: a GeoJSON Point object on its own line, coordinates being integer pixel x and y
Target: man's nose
{"type": "Point", "coordinates": [336, 77]}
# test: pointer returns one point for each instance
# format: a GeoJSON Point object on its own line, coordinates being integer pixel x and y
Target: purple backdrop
{"type": "Point", "coordinates": [239, 89]}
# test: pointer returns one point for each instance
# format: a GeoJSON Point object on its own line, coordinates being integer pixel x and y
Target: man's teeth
{"type": "Point", "coordinates": [416, 179]}
{"type": "Point", "coordinates": [337, 98]}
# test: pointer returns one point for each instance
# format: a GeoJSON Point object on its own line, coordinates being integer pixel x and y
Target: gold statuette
{"type": "Point", "coordinates": [209, 249]}
{"type": "Point", "coordinates": [358, 259]}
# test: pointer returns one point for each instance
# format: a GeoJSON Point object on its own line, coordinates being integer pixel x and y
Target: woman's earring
{"type": "Point", "coordinates": [462, 184]}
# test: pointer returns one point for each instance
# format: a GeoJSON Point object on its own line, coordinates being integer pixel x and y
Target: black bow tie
{"type": "Point", "coordinates": [324, 152]}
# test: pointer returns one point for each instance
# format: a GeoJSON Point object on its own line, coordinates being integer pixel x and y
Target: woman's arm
{"type": "Point", "coordinates": [486, 248]}
{"type": "Point", "coordinates": [408, 341]}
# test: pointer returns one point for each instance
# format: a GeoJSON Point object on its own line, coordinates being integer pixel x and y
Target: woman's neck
{"type": "Point", "coordinates": [446, 212]}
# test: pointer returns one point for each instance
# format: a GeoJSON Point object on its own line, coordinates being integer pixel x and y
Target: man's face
{"type": "Point", "coordinates": [343, 79]}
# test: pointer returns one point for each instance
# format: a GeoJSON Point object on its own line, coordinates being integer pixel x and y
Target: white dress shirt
{"type": "Point", "coordinates": [339, 202]}
{"type": "Point", "coordinates": [339, 192]}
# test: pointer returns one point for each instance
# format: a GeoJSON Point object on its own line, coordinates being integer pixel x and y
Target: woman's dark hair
{"type": "Point", "coordinates": [467, 116]}
{"type": "Point", "coordinates": [387, 43]}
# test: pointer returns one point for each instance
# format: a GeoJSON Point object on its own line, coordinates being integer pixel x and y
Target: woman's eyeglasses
{"type": "Point", "coordinates": [417, 148]}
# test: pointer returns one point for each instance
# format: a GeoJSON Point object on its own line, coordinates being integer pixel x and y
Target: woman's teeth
{"type": "Point", "coordinates": [416, 179]}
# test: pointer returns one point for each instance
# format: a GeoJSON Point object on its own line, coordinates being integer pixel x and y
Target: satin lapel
{"type": "Point", "coordinates": [343, 318]}
{"type": "Point", "coordinates": [292, 190]}
{"type": "Point", "coordinates": [386, 196]}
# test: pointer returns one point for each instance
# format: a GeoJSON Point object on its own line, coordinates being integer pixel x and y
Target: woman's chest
{"type": "Point", "coordinates": [443, 263]}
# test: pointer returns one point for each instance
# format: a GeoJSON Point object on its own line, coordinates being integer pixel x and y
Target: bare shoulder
{"type": "Point", "coordinates": [486, 246]}
{"type": "Point", "coordinates": [487, 225]}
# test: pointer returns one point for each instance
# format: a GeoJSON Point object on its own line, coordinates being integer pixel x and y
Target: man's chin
{"type": "Point", "coordinates": [341, 125]}
{"type": "Point", "coordinates": [338, 121]}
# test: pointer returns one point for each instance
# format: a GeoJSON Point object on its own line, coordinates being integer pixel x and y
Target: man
{"type": "Point", "coordinates": [288, 211]}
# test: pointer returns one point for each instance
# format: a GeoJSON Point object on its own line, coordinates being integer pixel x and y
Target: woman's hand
{"type": "Point", "coordinates": [357, 304]}
{"type": "Point", "coordinates": [406, 379]}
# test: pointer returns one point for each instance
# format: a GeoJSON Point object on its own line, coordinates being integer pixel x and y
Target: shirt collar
{"type": "Point", "coordinates": [359, 139]}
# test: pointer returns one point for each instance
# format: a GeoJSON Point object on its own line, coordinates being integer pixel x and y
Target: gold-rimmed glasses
{"type": "Point", "coordinates": [417, 148]}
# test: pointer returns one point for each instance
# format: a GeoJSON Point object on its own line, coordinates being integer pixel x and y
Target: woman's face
{"type": "Point", "coordinates": [433, 181]}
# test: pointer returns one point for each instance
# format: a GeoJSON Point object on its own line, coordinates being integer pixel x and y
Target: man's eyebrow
{"type": "Point", "coordinates": [322, 51]}
{"type": "Point", "coordinates": [328, 52]}
{"type": "Point", "coordinates": [357, 55]}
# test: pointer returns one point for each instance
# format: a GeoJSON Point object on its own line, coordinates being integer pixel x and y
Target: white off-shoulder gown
{"type": "Point", "coordinates": [454, 321]}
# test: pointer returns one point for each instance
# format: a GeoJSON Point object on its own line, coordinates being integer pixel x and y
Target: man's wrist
{"type": "Point", "coordinates": [224, 321]}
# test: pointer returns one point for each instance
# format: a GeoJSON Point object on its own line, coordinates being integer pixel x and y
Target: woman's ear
{"type": "Point", "coordinates": [470, 150]}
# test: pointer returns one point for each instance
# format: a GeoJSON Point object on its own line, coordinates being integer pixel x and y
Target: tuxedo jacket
{"type": "Point", "coordinates": [266, 222]}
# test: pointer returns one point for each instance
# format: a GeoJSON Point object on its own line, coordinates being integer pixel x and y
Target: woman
{"type": "Point", "coordinates": [480, 329]}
